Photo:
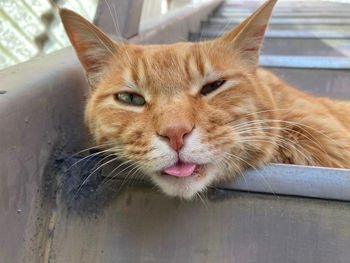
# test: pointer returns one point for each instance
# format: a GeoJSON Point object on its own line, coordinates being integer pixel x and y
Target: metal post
{"type": "Point", "coordinates": [119, 18]}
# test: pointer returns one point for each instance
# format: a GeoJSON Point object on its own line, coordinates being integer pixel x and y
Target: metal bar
{"type": "Point", "coordinates": [297, 27]}
{"type": "Point", "coordinates": [287, 33]}
{"type": "Point", "coordinates": [284, 4]}
{"type": "Point", "coordinates": [307, 34]}
{"type": "Point", "coordinates": [223, 14]}
{"type": "Point", "coordinates": [293, 3]}
{"type": "Point", "coordinates": [291, 7]}
{"type": "Point", "coordinates": [305, 62]}
{"type": "Point", "coordinates": [287, 21]}
{"type": "Point", "coordinates": [317, 182]}
{"type": "Point", "coordinates": [290, 10]}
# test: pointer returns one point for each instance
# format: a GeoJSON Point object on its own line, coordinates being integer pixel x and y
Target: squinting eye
{"type": "Point", "coordinates": [211, 87]}
{"type": "Point", "coordinates": [129, 98]}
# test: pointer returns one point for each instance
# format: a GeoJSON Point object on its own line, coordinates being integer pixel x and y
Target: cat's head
{"type": "Point", "coordinates": [174, 111]}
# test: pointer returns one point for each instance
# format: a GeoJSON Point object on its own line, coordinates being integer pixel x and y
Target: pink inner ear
{"type": "Point", "coordinates": [260, 31]}
{"type": "Point", "coordinates": [259, 35]}
{"type": "Point", "coordinates": [90, 63]}
{"type": "Point", "coordinates": [252, 49]}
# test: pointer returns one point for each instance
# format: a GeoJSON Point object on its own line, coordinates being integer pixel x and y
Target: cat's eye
{"type": "Point", "coordinates": [130, 98]}
{"type": "Point", "coordinates": [211, 87]}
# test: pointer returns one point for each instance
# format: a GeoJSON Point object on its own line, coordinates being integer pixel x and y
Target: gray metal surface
{"type": "Point", "coordinates": [41, 111]}
{"type": "Point", "coordinates": [141, 225]}
{"type": "Point", "coordinates": [41, 118]}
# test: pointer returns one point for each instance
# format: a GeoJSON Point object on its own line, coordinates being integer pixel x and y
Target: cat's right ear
{"type": "Point", "coordinates": [246, 39]}
{"type": "Point", "coordinates": [93, 47]}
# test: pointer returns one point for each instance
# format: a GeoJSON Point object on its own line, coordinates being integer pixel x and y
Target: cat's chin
{"type": "Point", "coordinates": [184, 187]}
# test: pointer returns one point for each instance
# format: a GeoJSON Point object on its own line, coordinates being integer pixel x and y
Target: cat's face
{"type": "Point", "coordinates": [181, 119]}
{"type": "Point", "coordinates": [171, 110]}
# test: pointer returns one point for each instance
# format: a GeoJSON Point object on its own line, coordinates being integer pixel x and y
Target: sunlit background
{"type": "Point", "coordinates": [29, 28]}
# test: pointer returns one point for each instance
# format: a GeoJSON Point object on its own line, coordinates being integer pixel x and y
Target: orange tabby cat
{"type": "Point", "coordinates": [190, 114]}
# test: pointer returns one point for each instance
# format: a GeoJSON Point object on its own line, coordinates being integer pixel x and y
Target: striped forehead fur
{"type": "Point", "coordinates": [154, 68]}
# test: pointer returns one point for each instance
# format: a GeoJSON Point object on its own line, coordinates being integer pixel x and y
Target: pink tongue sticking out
{"type": "Point", "coordinates": [181, 169]}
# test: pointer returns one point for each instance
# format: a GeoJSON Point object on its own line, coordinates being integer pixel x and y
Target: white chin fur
{"type": "Point", "coordinates": [187, 187]}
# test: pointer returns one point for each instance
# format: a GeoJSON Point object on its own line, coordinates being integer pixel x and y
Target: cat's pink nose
{"type": "Point", "coordinates": [176, 135]}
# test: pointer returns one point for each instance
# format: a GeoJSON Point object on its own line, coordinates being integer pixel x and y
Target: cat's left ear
{"type": "Point", "coordinates": [93, 47]}
{"type": "Point", "coordinates": [247, 37]}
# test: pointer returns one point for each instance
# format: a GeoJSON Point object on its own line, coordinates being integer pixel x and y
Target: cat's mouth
{"type": "Point", "coordinates": [183, 170]}
{"type": "Point", "coordinates": [183, 179]}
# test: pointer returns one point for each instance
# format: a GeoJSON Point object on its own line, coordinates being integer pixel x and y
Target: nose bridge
{"type": "Point", "coordinates": [175, 120]}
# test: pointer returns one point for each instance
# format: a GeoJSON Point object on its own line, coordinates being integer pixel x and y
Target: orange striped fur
{"type": "Point", "coordinates": [252, 119]}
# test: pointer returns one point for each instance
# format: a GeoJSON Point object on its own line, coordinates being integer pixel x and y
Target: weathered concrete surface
{"type": "Point", "coordinates": [41, 111]}
{"type": "Point", "coordinates": [142, 225]}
